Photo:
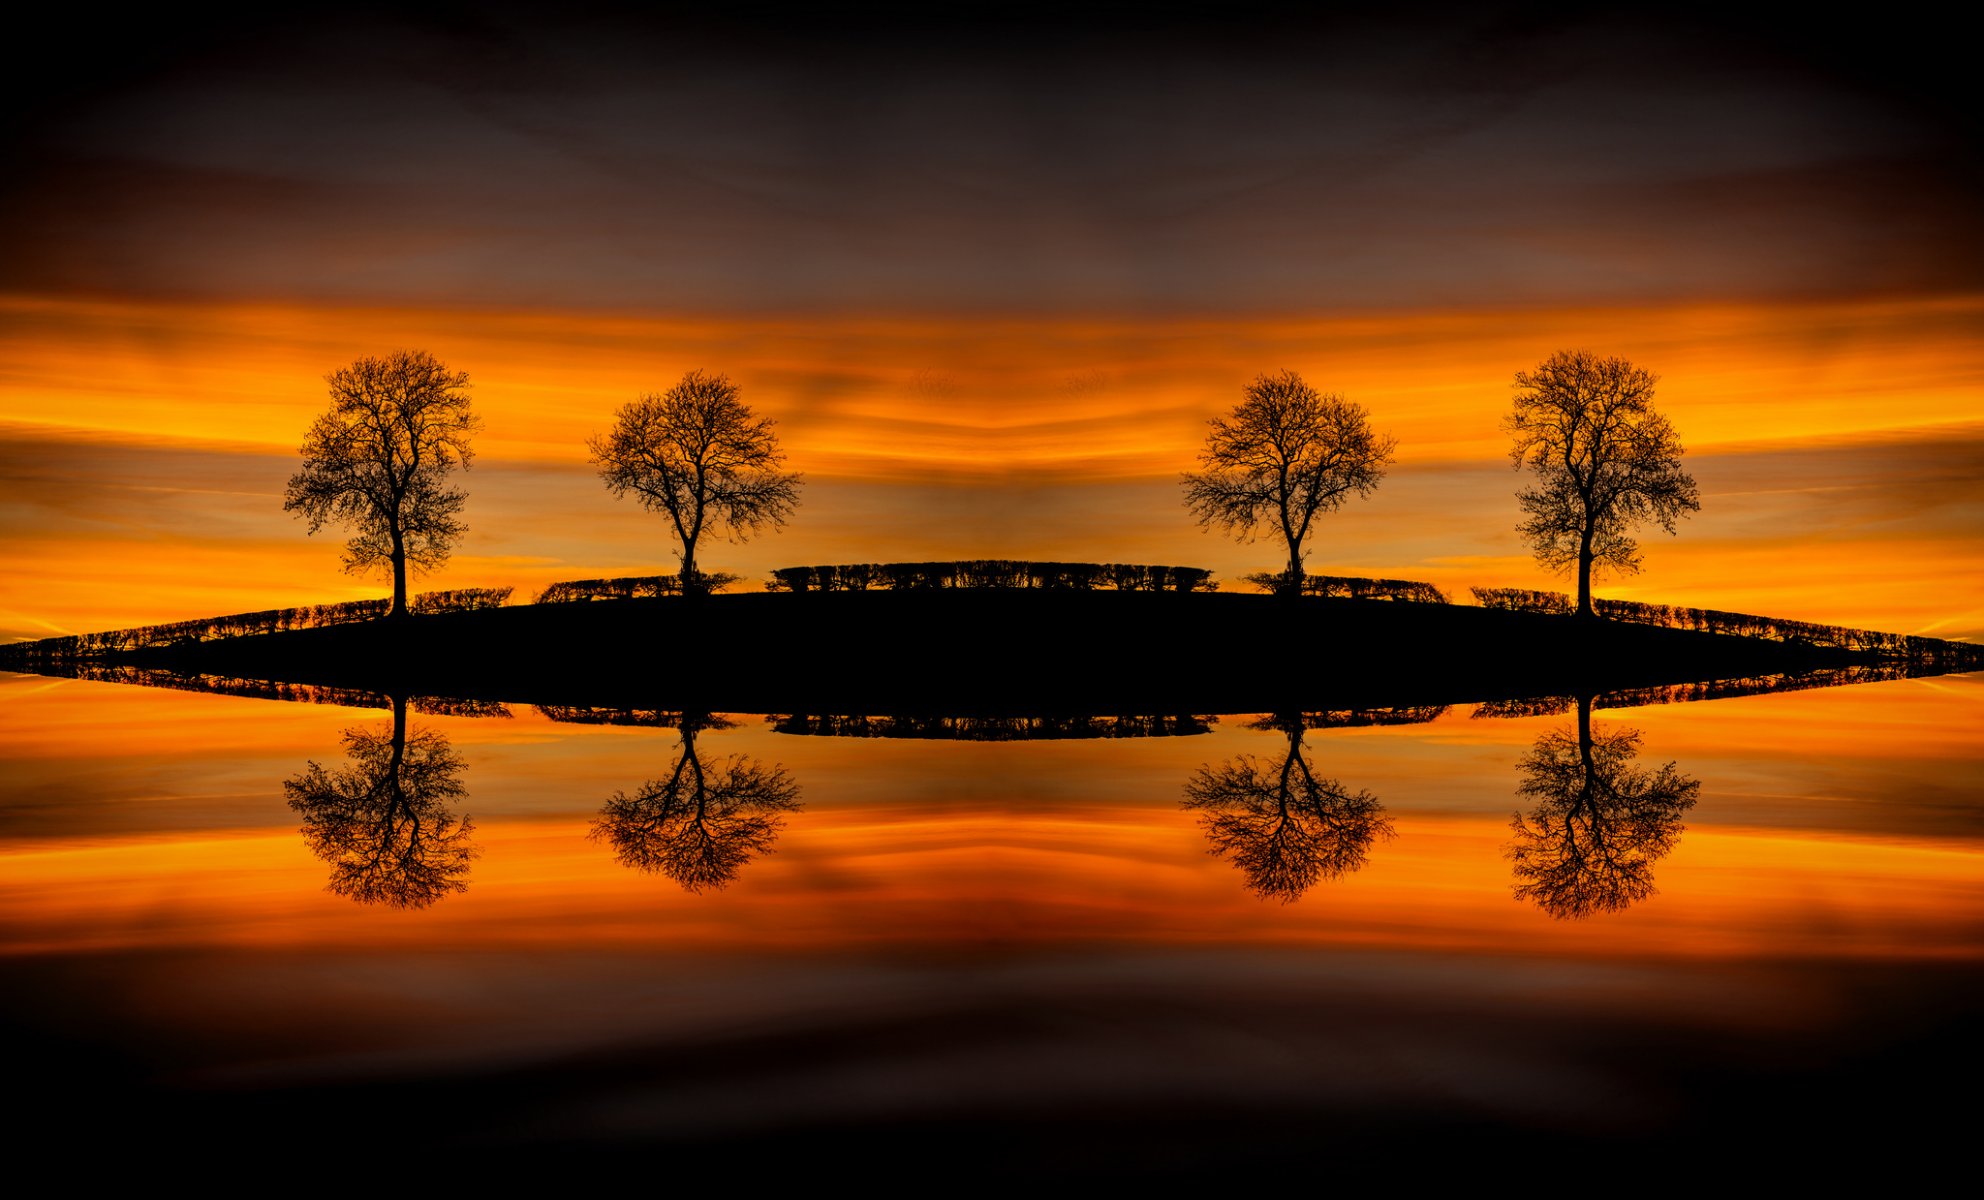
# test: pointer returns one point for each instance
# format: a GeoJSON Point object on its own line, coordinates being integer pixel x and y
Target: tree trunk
{"type": "Point", "coordinates": [1294, 584]}
{"type": "Point", "coordinates": [688, 576]}
{"type": "Point", "coordinates": [1588, 775]}
{"type": "Point", "coordinates": [1584, 575]}
{"type": "Point", "coordinates": [399, 576]}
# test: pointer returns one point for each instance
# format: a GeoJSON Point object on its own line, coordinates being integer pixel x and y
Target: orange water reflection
{"type": "Point", "coordinates": [861, 880]}
{"type": "Point", "coordinates": [1864, 849]}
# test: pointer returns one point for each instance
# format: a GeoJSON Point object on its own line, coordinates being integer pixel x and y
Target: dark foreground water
{"type": "Point", "coordinates": [304, 938]}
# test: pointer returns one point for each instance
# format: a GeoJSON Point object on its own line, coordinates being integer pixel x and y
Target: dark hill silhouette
{"type": "Point", "coordinates": [965, 651]}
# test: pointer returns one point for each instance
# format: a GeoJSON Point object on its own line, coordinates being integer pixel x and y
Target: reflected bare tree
{"type": "Point", "coordinates": [1282, 825]}
{"type": "Point", "coordinates": [1600, 823]}
{"type": "Point", "coordinates": [386, 823]}
{"type": "Point", "coordinates": [702, 822]}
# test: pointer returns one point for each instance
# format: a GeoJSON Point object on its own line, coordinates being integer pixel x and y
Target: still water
{"type": "Point", "coordinates": [1136, 945]}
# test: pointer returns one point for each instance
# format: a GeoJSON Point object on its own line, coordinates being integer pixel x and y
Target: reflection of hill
{"type": "Point", "coordinates": [652, 717]}
{"type": "Point", "coordinates": [1282, 825]}
{"type": "Point", "coordinates": [259, 689]}
{"type": "Point", "coordinates": [993, 729]}
{"type": "Point", "coordinates": [293, 693]}
{"type": "Point", "coordinates": [1527, 706]}
{"type": "Point", "coordinates": [1347, 718]}
{"type": "Point", "coordinates": [702, 822]}
{"type": "Point", "coordinates": [1599, 823]}
{"type": "Point", "coordinates": [1684, 693]}
{"type": "Point", "coordinates": [386, 823]}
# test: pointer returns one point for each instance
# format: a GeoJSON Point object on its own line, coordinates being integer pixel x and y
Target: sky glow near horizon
{"type": "Point", "coordinates": [992, 295]}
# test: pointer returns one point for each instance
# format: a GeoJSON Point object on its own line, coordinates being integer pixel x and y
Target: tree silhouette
{"type": "Point", "coordinates": [701, 823]}
{"type": "Point", "coordinates": [1282, 825]}
{"type": "Point", "coordinates": [1603, 459]}
{"type": "Point", "coordinates": [385, 823]}
{"type": "Point", "coordinates": [696, 453]}
{"type": "Point", "coordinates": [379, 460]}
{"type": "Point", "coordinates": [1284, 454]}
{"type": "Point", "coordinates": [1599, 824]}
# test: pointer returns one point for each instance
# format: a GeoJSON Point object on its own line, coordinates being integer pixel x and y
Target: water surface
{"type": "Point", "coordinates": [1072, 953]}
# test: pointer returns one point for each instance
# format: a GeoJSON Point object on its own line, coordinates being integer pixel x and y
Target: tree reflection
{"type": "Point", "coordinates": [1600, 823]}
{"type": "Point", "coordinates": [1282, 825]}
{"type": "Point", "coordinates": [702, 822]}
{"type": "Point", "coordinates": [386, 823]}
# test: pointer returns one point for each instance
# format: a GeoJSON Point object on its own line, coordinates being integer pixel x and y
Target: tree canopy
{"type": "Point", "coordinates": [1284, 454]}
{"type": "Point", "coordinates": [1603, 461]}
{"type": "Point", "coordinates": [387, 823]}
{"type": "Point", "coordinates": [1600, 823]}
{"type": "Point", "coordinates": [702, 823]}
{"type": "Point", "coordinates": [379, 460]}
{"type": "Point", "coordinates": [1282, 824]}
{"type": "Point", "coordinates": [696, 453]}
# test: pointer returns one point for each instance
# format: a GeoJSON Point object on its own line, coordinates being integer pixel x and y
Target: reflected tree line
{"type": "Point", "coordinates": [389, 825]}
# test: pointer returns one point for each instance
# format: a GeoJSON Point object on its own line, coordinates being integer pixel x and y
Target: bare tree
{"type": "Point", "coordinates": [704, 821]}
{"type": "Point", "coordinates": [386, 824]}
{"type": "Point", "coordinates": [1285, 454]}
{"type": "Point", "coordinates": [1600, 823]}
{"type": "Point", "coordinates": [1282, 824]}
{"type": "Point", "coordinates": [696, 453]}
{"type": "Point", "coordinates": [379, 461]}
{"type": "Point", "coordinates": [1604, 461]}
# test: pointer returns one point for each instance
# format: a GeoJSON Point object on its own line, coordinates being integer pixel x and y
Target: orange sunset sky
{"type": "Point", "coordinates": [991, 279]}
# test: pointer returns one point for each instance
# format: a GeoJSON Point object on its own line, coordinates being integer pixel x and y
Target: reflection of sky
{"type": "Point", "coordinates": [991, 283]}
{"type": "Point", "coordinates": [1862, 797]}
{"type": "Point", "coordinates": [969, 926]}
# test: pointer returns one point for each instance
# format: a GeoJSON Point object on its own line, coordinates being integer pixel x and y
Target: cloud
{"type": "Point", "coordinates": [1278, 164]}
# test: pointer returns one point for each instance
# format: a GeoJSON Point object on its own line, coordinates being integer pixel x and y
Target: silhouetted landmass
{"type": "Point", "coordinates": [1524, 600]}
{"type": "Point", "coordinates": [628, 587]}
{"type": "Point", "coordinates": [988, 652]}
{"type": "Point", "coordinates": [110, 643]}
{"type": "Point", "coordinates": [992, 573]}
{"type": "Point", "coordinates": [1893, 646]}
{"type": "Point", "coordinates": [1352, 587]}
